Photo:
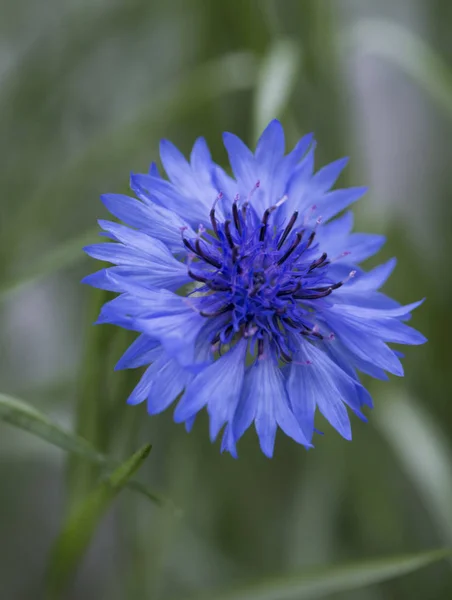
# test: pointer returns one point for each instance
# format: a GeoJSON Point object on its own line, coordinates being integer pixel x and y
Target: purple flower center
{"type": "Point", "coordinates": [259, 280]}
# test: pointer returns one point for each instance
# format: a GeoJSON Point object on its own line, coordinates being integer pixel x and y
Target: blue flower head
{"type": "Point", "coordinates": [247, 296]}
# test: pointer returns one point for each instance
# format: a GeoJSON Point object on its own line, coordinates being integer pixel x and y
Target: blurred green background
{"type": "Point", "coordinates": [87, 89]}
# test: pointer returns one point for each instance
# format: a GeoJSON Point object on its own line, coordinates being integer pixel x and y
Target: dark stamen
{"type": "Point", "coordinates": [331, 287]}
{"type": "Point", "coordinates": [227, 232]}
{"type": "Point", "coordinates": [218, 312]}
{"type": "Point", "coordinates": [288, 229]}
{"type": "Point", "coordinates": [294, 244]}
{"type": "Point", "coordinates": [284, 356]}
{"type": "Point", "coordinates": [216, 339]}
{"type": "Point", "coordinates": [291, 291]}
{"type": "Point", "coordinates": [188, 245]}
{"type": "Point", "coordinates": [208, 259]}
{"type": "Point", "coordinates": [312, 332]}
{"type": "Point", "coordinates": [265, 218]}
{"type": "Point", "coordinates": [214, 221]}
{"type": "Point", "coordinates": [316, 295]}
{"type": "Point", "coordinates": [227, 332]}
{"type": "Point", "coordinates": [290, 322]}
{"type": "Point", "coordinates": [318, 262]}
{"type": "Point", "coordinates": [260, 348]}
{"type": "Point", "coordinates": [197, 277]}
{"type": "Point", "coordinates": [235, 214]}
{"type": "Point", "coordinates": [310, 240]}
{"type": "Point", "coordinates": [217, 287]}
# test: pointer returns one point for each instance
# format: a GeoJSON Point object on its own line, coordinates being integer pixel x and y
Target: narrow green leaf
{"type": "Point", "coordinates": [65, 255]}
{"type": "Point", "coordinates": [401, 47]}
{"type": "Point", "coordinates": [24, 416]}
{"type": "Point", "coordinates": [321, 582]}
{"type": "Point", "coordinates": [275, 83]}
{"type": "Point", "coordinates": [83, 521]}
{"type": "Point", "coordinates": [93, 400]}
{"type": "Point", "coordinates": [423, 451]}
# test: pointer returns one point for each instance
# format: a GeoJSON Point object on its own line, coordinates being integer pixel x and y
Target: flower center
{"type": "Point", "coordinates": [259, 280]}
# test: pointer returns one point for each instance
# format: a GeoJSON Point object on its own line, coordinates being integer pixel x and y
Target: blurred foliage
{"type": "Point", "coordinates": [82, 522]}
{"type": "Point", "coordinates": [87, 89]}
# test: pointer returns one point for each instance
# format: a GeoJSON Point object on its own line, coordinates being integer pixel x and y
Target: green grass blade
{"type": "Point", "coordinates": [421, 447]}
{"type": "Point", "coordinates": [93, 399]}
{"type": "Point", "coordinates": [401, 47]}
{"type": "Point", "coordinates": [24, 416]}
{"type": "Point", "coordinates": [322, 582]}
{"type": "Point", "coordinates": [276, 80]}
{"type": "Point", "coordinates": [82, 523]}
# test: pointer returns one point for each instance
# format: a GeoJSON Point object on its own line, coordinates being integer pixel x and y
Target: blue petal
{"type": "Point", "coordinates": [124, 305]}
{"type": "Point", "coordinates": [265, 401]}
{"type": "Point", "coordinates": [333, 236]}
{"type": "Point", "coordinates": [399, 312]}
{"type": "Point", "coordinates": [177, 333]}
{"type": "Point", "coordinates": [163, 270]}
{"type": "Point", "coordinates": [193, 210]}
{"type": "Point", "coordinates": [131, 211]}
{"type": "Point", "coordinates": [224, 185]}
{"type": "Point", "coordinates": [228, 443]}
{"type": "Point", "coordinates": [299, 189]}
{"type": "Point", "coordinates": [242, 161]}
{"type": "Point", "coordinates": [267, 386]}
{"type": "Point", "coordinates": [176, 166]}
{"type": "Point", "coordinates": [100, 280]}
{"type": "Point", "coordinates": [154, 220]}
{"type": "Point", "coordinates": [336, 201]}
{"type": "Point", "coordinates": [168, 382]}
{"type": "Point", "coordinates": [117, 253]}
{"type": "Point", "coordinates": [392, 330]}
{"type": "Point", "coordinates": [359, 396]}
{"type": "Point", "coordinates": [246, 409]}
{"type": "Point", "coordinates": [154, 170]}
{"type": "Point", "coordinates": [201, 160]}
{"type": "Point", "coordinates": [326, 177]}
{"type": "Point", "coordinates": [316, 380]}
{"type": "Point", "coordinates": [161, 383]}
{"type": "Point", "coordinates": [218, 386]}
{"type": "Point", "coordinates": [164, 316]}
{"type": "Point", "coordinates": [304, 170]}
{"type": "Point", "coordinates": [374, 279]}
{"type": "Point", "coordinates": [302, 400]}
{"type": "Point", "coordinates": [366, 348]}
{"type": "Point", "coordinates": [270, 147]}
{"type": "Point", "coordinates": [141, 391]}
{"type": "Point", "coordinates": [363, 245]}
{"type": "Point", "coordinates": [134, 239]}
{"type": "Point", "coordinates": [189, 424]}
{"type": "Point", "coordinates": [141, 352]}
{"type": "Point", "coordinates": [103, 279]}
{"type": "Point", "coordinates": [347, 295]}
{"type": "Point", "coordinates": [300, 149]}
{"type": "Point", "coordinates": [300, 181]}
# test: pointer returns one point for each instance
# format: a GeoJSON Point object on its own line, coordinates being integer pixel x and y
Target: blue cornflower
{"type": "Point", "coordinates": [247, 296]}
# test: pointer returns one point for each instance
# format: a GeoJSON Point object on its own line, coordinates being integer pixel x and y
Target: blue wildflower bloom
{"type": "Point", "coordinates": [248, 298]}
